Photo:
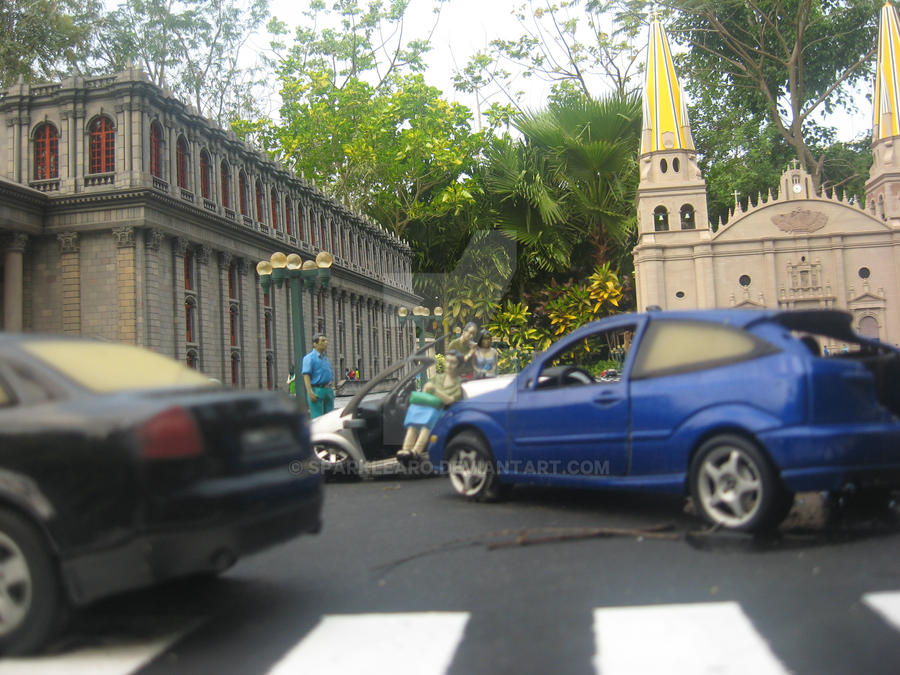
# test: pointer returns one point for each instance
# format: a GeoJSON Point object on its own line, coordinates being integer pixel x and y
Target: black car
{"type": "Point", "coordinates": [121, 468]}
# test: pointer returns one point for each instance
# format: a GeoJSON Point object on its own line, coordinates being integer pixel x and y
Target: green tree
{"type": "Point", "coordinates": [566, 190]}
{"type": "Point", "coordinates": [192, 47]}
{"type": "Point", "coordinates": [576, 45]}
{"type": "Point", "coordinates": [45, 39]}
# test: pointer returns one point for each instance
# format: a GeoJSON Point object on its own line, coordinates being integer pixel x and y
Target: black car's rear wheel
{"type": "Point", "coordinates": [471, 468]}
{"type": "Point", "coordinates": [735, 486]}
{"type": "Point", "coordinates": [31, 602]}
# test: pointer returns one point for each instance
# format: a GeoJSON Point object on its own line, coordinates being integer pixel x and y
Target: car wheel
{"type": "Point", "coordinates": [334, 460]}
{"type": "Point", "coordinates": [734, 485]}
{"type": "Point", "coordinates": [471, 468]}
{"type": "Point", "coordinates": [31, 603]}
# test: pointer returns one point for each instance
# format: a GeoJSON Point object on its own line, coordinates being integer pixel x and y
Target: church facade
{"type": "Point", "coordinates": [126, 216]}
{"type": "Point", "coordinates": [795, 248]}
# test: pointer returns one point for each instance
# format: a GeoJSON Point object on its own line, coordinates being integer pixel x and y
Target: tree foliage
{"type": "Point", "coordinates": [45, 39]}
{"type": "Point", "coordinates": [192, 47]}
{"type": "Point", "coordinates": [566, 190]}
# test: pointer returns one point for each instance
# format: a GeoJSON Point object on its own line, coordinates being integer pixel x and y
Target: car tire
{"type": "Point", "coordinates": [735, 486]}
{"type": "Point", "coordinates": [335, 461]}
{"type": "Point", "coordinates": [472, 470]}
{"type": "Point", "coordinates": [31, 602]}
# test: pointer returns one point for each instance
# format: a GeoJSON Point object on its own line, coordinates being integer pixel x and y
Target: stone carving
{"type": "Point", "coordinates": [800, 221]}
{"type": "Point", "coordinates": [16, 242]}
{"type": "Point", "coordinates": [154, 239]}
{"type": "Point", "coordinates": [124, 236]}
{"type": "Point", "coordinates": [68, 242]}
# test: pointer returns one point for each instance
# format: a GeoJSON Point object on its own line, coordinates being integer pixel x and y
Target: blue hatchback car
{"type": "Point", "coordinates": [738, 408]}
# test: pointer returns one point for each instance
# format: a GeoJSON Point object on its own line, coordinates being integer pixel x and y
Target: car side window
{"type": "Point", "coordinates": [595, 359]}
{"type": "Point", "coordinates": [672, 347]}
{"type": "Point", "coordinates": [31, 387]}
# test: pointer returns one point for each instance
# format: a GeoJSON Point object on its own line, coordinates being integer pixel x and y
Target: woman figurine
{"type": "Point", "coordinates": [484, 356]}
{"type": "Point", "coordinates": [425, 407]}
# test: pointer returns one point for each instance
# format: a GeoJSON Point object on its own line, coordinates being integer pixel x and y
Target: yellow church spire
{"type": "Point", "coordinates": [886, 104]}
{"type": "Point", "coordinates": [666, 125]}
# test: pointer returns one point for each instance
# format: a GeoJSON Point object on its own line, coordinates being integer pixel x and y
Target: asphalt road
{"type": "Point", "coordinates": [407, 577]}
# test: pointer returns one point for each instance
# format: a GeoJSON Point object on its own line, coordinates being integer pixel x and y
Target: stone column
{"type": "Point", "coordinates": [13, 282]}
{"type": "Point", "coordinates": [70, 266]}
{"type": "Point", "coordinates": [179, 247]}
{"type": "Point", "coordinates": [125, 284]}
{"type": "Point", "coordinates": [206, 310]}
{"type": "Point", "coordinates": [225, 310]}
{"type": "Point", "coordinates": [154, 282]}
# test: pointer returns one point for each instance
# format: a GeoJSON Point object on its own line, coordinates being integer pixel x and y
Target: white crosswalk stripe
{"type": "Point", "coordinates": [887, 604]}
{"type": "Point", "coordinates": [714, 637]}
{"type": "Point", "coordinates": [419, 643]}
{"type": "Point", "coordinates": [110, 658]}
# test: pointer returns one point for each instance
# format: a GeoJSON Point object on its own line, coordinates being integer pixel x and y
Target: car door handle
{"type": "Point", "coordinates": [607, 398]}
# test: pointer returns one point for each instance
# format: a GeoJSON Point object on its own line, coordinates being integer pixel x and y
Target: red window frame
{"type": "Point", "coordinates": [259, 202]}
{"type": "Point", "coordinates": [226, 185]}
{"type": "Point", "coordinates": [232, 325]}
{"type": "Point", "coordinates": [242, 185]}
{"type": "Point", "coordinates": [204, 174]}
{"type": "Point", "coordinates": [181, 163]}
{"type": "Point", "coordinates": [156, 150]}
{"type": "Point", "coordinates": [46, 152]}
{"type": "Point", "coordinates": [274, 200]}
{"type": "Point", "coordinates": [102, 146]}
{"type": "Point", "coordinates": [288, 216]}
{"type": "Point", "coordinates": [300, 222]}
{"type": "Point", "coordinates": [188, 321]}
{"type": "Point", "coordinates": [188, 270]}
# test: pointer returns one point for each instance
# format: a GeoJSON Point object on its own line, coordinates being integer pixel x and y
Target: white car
{"type": "Point", "coordinates": [363, 437]}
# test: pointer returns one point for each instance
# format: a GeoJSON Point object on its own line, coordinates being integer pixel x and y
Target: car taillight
{"type": "Point", "coordinates": [172, 434]}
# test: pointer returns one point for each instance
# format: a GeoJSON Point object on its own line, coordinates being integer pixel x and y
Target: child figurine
{"type": "Point", "coordinates": [425, 407]}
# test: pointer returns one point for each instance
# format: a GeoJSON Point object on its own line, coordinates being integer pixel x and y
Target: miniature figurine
{"type": "Point", "coordinates": [425, 407]}
{"type": "Point", "coordinates": [484, 357]}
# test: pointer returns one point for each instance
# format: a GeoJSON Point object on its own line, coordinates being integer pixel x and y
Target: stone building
{"type": "Point", "coordinates": [127, 216]}
{"type": "Point", "coordinates": [795, 249]}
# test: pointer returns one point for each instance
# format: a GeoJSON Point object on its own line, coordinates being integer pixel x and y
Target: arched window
{"type": "Point", "coordinates": [268, 330]}
{"type": "Point", "coordinates": [270, 372]}
{"type": "Point", "coordinates": [101, 146]}
{"type": "Point", "coordinates": [300, 222]}
{"type": "Point", "coordinates": [156, 166]}
{"type": "Point", "coordinates": [188, 270]}
{"type": "Point", "coordinates": [660, 219]}
{"type": "Point", "coordinates": [181, 162]}
{"type": "Point", "coordinates": [288, 216]}
{"type": "Point", "coordinates": [687, 217]}
{"type": "Point", "coordinates": [190, 320]}
{"type": "Point", "coordinates": [191, 359]}
{"type": "Point", "coordinates": [46, 152]}
{"type": "Point", "coordinates": [226, 184]}
{"type": "Point", "coordinates": [663, 166]}
{"type": "Point", "coordinates": [881, 207]}
{"type": "Point", "coordinates": [242, 189]}
{"type": "Point", "coordinates": [274, 204]}
{"type": "Point", "coordinates": [205, 175]}
{"type": "Point", "coordinates": [259, 201]}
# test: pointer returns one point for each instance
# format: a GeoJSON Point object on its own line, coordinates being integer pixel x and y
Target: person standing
{"type": "Point", "coordinates": [317, 377]}
{"type": "Point", "coordinates": [292, 382]}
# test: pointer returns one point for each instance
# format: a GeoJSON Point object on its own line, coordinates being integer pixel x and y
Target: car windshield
{"type": "Point", "coordinates": [105, 367]}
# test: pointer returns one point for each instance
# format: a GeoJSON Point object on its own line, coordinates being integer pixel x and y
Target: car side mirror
{"type": "Point", "coordinates": [354, 423]}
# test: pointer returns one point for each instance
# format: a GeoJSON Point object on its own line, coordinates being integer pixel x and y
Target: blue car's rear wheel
{"type": "Point", "coordinates": [471, 468]}
{"type": "Point", "coordinates": [735, 486]}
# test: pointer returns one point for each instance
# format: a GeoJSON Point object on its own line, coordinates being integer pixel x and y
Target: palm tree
{"type": "Point", "coordinates": [565, 191]}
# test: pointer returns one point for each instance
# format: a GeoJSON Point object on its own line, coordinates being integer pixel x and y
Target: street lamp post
{"type": "Point", "coordinates": [419, 316]}
{"type": "Point", "coordinates": [280, 267]}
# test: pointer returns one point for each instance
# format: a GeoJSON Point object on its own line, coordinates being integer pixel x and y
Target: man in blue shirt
{"type": "Point", "coordinates": [318, 376]}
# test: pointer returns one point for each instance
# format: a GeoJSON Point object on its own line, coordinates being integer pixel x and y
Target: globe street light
{"type": "Point", "coordinates": [280, 267]}
{"type": "Point", "coordinates": [420, 315]}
